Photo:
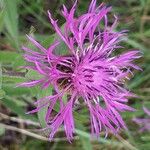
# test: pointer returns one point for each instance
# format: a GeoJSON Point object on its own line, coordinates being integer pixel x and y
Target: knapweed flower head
{"type": "Point", "coordinates": [144, 123]}
{"type": "Point", "coordinates": [90, 71]}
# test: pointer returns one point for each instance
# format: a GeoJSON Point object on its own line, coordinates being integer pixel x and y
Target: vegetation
{"type": "Point", "coordinates": [21, 131]}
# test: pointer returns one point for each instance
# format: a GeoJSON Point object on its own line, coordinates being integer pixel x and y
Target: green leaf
{"type": "Point", "coordinates": [139, 79]}
{"type": "Point", "coordinates": [12, 58]}
{"type": "Point", "coordinates": [135, 44]}
{"type": "Point", "coordinates": [19, 91]}
{"type": "Point", "coordinates": [84, 137]}
{"type": "Point", "coordinates": [48, 40]}
{"type": "Point", "coordinates": [2, 130]}
{"type": "Point", "coordinates": [62, 48]}
{"type": "Point", "coordinates": [0, 76]}
{"type": "Point", "coordinates": [9, 103]}
{"type": "Point", "coordinates": [86, 143]}
{"type": "Point", "coordinates": [145, 138]}
{"type": "Point", "coordinates": [42, 112]}
{"type": "Point", "coordinates": [2, 93]}
{"type": "Point", "coordinates": [32, 75]}
{"type": "Point", "coordinates": [12, 79]}
{"type": "Point", "coordinates": [7, 56]}
{"type": "Point", "coordinates": [39, 94]}
{"type": "Point", "coordinates": [11, 21]}
{"type": "Point", "coordinates": [1, 20]}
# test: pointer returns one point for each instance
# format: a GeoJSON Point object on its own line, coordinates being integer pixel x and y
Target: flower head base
{"type": "Point", "coordinates": [89, 71]}
{"type": "Point", "coordinates": [144, 123]}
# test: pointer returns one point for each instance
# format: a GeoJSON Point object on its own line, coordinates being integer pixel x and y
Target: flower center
{"type": "Point", "coordinates": [66, 69]}
{"type": "Point", "coordinates": [84, 77]}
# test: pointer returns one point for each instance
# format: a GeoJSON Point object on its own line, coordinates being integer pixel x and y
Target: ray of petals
{"type": "Point", "coordinates": [36, 44]}
{"type": "Point", "coordinates": [30, 84]}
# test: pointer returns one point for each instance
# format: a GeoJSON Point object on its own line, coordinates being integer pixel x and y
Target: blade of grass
{"type": "Point", "coordinates": [11, 21]}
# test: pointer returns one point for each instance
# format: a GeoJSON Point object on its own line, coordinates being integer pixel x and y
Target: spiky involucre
{"type": "Point", "coordinates": [89, 71]}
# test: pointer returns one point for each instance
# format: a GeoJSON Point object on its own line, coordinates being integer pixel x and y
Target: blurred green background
{"type": "Point", "coordinates": [19, 131]}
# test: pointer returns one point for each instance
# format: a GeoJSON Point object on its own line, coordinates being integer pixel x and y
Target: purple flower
{"type": "Point", "coordinates": [90, 71]}
{"type": "Point", "coordinates": [144, 123]}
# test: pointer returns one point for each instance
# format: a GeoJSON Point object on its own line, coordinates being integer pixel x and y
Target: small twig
{"type": "Point", "coordinates": [31, 134]}
{"type": "Point", "coordinates": [19, 120]}
{"type": "Point", "coordinates": [13, 73]}
{"type": "Point", "coordinates": [7, 47]}
{"type": "Point", "coordinates": [146, 18]}
{"type": "Point", "coordinates": [126, 143]}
